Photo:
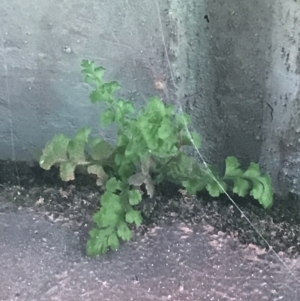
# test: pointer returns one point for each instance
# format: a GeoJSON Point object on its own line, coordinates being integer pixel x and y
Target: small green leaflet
{"type": "Point", "coordinates": [241, 187]}
{"type": "Point", "coordinates": [166, 129]}
{"type": "Point", "coordinates": [100, 240]}
{"type": "Point", "coordinates": [191, 139]}
{"type": "Point", "coordinates": [232, 167]}
{"type": "Point", "coordinates": [215, 189]}
{"type": "Point", "coordinates": [106, 217]}
{"type": "Point", "coordinates": [126, 169]}
{"type": "Point", "coordinates": [61, 149]}
{"type": "Point", "coordinates": [251, 178]}
{"type": "Point", "coordinates": [193, 185]}
{"type": "Point", "coordinates": [111, 202]}
{"type": "Point", "coordinates": [134, 216]}
{"type": "Point", "coordinates": [262, 187]}
{"type": "Point", "coordinates": [196, 139]}
{"type": "Point", "coordinates": [110, 88]}
{"type": "Point", "coordinates": [134, 197]}
{"type": "Point", "coordinates": [156, 107]}
{"type": "Point", "coordinates": [100, 149]}
{"type": "Point", "coordinates": [92, 74]}
{"type": "Point", "coordinates": [55, 151]}
{"type": "Point", "coordinates": [104, 92]}
{"type": "Point", "coordinates": [67, 170]}
{"type": "Point", "coordinates": [97, 244]}
{"type": "Point", "coordinates": [82, 135]}
{"type": "Point", "coordinates": [183, 120]}
{"type": "Point", "coordinates": [107, 117]}
{"type": "Point", "coordinates": [113, 185]}
{"type": "Point", "coordinates": [124, 232]}
{"type": "Point", "coordinates": [113, 241]}
{"type": "Point", "coordinates": [76, 147]}
{"type": "Point", "coordinates": [122, 108]}
{"type": "Point", "coordinates": [76, 151]}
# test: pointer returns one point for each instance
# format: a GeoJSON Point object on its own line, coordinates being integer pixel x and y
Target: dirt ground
{"type": "Point", "coordinates": [191, 248]}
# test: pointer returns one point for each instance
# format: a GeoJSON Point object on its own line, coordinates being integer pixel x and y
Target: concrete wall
{"type": "Point", "coordinates": [233, 65]}
{"type": "Point", "coordinates": [281, 128]}
{"type": "Point", "coordinates": [239, 40]}
{"type": "Point", "coordinates": [41, 48]}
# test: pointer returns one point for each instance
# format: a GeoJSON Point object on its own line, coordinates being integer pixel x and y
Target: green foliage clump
{"type": "Point", "coordinates": [148, 150]}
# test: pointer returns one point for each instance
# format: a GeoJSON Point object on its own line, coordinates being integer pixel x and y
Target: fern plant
{"type": "Point", "coordinates": [148, 150]}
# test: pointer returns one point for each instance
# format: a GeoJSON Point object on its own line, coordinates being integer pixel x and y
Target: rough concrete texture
{"type": "Point", "coordinates": [42, 45]}
{"type": "Point", "coordinates": [234, 66]}
{"type": "Point", "coordinates": [43, 261]}
{"type": "Point", "coordinates": [281, 131]}
{"type": "Point", "coordinates": [239, 37]}
{"type": "Point", "coordinates": [193, 72]}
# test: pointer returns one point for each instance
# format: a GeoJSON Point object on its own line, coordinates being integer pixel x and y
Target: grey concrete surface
{"type": "Point", "coordinates": [44, 261]}
{"type": "Point", "coordinates": [41, 48]}
{"type": "Point", "coordinates": [236, 71]}
{"type": "Point", "coordinates": [239, 39]}
{"type": "Point", "coordinates": [281, 144]}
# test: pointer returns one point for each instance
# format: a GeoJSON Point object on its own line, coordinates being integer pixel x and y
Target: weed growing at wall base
{"type": "Point", "coordinates": [148, 150]}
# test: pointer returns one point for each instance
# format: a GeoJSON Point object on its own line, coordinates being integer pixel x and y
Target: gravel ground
{"type": "Point", "coordinates": [190, 248]}
{"type": "Point", "coordinates": [73, 203]}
